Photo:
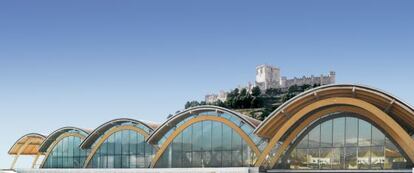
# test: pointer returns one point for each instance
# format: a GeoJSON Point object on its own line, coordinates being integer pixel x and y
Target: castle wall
{"type": "Point", "coordinates": [269, 77]}
{"type": "Point", "coordinates": [321, 80]}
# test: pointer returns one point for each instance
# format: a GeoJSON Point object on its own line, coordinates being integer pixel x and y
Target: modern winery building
{"type": "Point", "coordinates": [332, 128]}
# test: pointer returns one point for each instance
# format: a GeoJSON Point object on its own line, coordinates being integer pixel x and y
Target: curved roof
{"type": "Point", "coordinates": [157, 134]}
{"type": "Point", "coordinates": [54, 135]}
{"type": "Point", "coordinates": [94, 135]}
{"type": "Point", "coordinates": [397, 109]}
{"type": "Point", "coordinates": [31, 143]}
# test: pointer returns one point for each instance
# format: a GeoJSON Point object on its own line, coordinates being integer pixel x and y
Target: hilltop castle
{"type": "Point", "coordinates": [268, 77]}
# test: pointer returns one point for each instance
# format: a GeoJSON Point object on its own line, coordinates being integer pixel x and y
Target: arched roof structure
{"type": "Point", "coordinates": [395, 117]}
{"type": "Point", "coordinates": [99, 131]}
{"type": "Point", "coordinates": [391, 115]}
{"type": "Point", "coordinates": [55, 135]}
{"type": "Point", "coordinates": [28, 144]}
{"type": "Point", "coordinates": [179, 117]}
{"type": "Point", "coordinates": [397, 109]}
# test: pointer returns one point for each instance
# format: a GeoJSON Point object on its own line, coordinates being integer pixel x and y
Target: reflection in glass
{"type": "Point", "coordinates": [326, 134]}
{"type": "Point", "coordinates": [344, 142]}
{"type": "Point", "coordinates": [364, 135]}
{"type": "Point", "coordinates": [326, 158]}
{"type": "Point", "coordinates": [123, 149]}
{"type": "Point", "coordinates": [66, 154]}
{"type": "Point", "coordinates": [393, 158]}
{"type": "Point", "coordinates": [338, 132]}
{"type": "Point", "coordinates": [351, 158]}
{"type": "Point", "coordinates": [364, 158]}
{"type": "Point", "coordinates": [351, 131]}
{"type": "Point", "coordinates": [214, 144]}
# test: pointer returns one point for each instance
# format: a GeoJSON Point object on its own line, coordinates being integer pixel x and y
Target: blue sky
{"type": "Point", "coordinates": [82, 63]}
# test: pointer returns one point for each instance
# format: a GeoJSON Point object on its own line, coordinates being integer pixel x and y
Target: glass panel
{"type": "Point", "coordinates": [378, 138]}
{"type": "Point", "coordinates": [187, 158]}
{"type": "Point", "coordinates": [177, 148]}
{"type": "Point", "coordinates": [314, 135]}
{"type": "Point", "coordinates": [236, 143]}
{"type": "Point", "coordinates": [206, 162]}
{"type": "Point", "coordinates": [364, 158]}
{"type": "Point", "coordinates": [302, 158]}
{"type": "Point", "coordinates": [246, 128]}
{"type": "Point", "coordinates": [338, 160]}
{"type": "Point", "coordinates": [377, 158]}
{"type": "Point", "coordinates": [226, 156]}
{"type": "Point", "coordinates": [351, 158]}
{"type": "Point", "coordinates": [326, 134]}
{"type": "Point", "coordinates": [149, 152]}
{"type": "Point", "coordinates": [236, 159]}
{"type": "Point", "coordinates": [216, 159]}
{"type": "Point", "coordinates": [313, 158]}
{"type": "Point", "coordinates": [227, 133]}
{"type": "Point", "coordinates": [304, 142]}
{"type": "Point", "coordinates": [206, 135]}
{"type": "Point", "coordinates": [197, 137]}
{"type": "Point", "coordinates": [326, 157]}
{"type": "Point", "coordinates": [187, 138]}
{"type": "Point", "coordinates": [118, 142]}
{"type": "Point", "coordinates": [196, 162]}
{"type": "Point", "coordinates": [338, 132]}
{"type": "Point", "coordinates": [364, 135]}
{"type": "Point", "coordinates": [351, 131]}
{"type": "Point", "coordinates": [393, 157]}
{"type": "Point", "coordinates": [217, 136]}
{"type": "Point", "coordinates": [111, 144]}
{"type": "Point", "coordinates": [133, 146]}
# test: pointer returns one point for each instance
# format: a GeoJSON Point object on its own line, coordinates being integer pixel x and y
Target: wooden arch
{"type": "Point", "coordinates": [28, 144]}
{"type": "Point", "coordinates": [201, 118]}
{"type": "Point", "coordinates": [56, 141]}
{"type": "Point", "coordinates": [365, 109]}
{"type": "Point", "coordinates": [108, 134]}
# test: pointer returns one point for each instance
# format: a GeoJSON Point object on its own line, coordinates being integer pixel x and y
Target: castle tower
{"type": "Point", "coordinates": [332, 76]}
{"type": "Point", "coordinates": [267, 77]}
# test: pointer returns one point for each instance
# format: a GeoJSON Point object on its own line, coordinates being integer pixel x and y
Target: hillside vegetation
{"type": "Point", "coordinates": [256, 104]}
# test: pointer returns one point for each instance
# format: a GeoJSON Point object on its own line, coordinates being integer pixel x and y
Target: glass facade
{"type": "Point", "coordinates": [66, 154]}
{"type": "Point", "coordinates": [207, 144]}
{"type": "Point", "coordinates": [344, 142]}
{"type": "Point", "coordinates": [337, 141]}
{"type": "Point", "coordinates": [123, 149]}
{"type": "Point", "coordinates": [248, 129]}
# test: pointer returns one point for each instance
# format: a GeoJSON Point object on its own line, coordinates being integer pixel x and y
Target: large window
{"type": "Point", "coordinates": [248, 129]}
{"type": "Point", "coordinates": [207, 144]}
{"type": "Point", "coordinates": [66, 154]}
{"type": "Point", "coordinates": [123, 149]}
{"type": "Point", "coordinates": [344, 142]}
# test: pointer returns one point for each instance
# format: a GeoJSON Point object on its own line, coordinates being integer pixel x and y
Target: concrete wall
{"type": "Point", "coordinates": [158, 170]}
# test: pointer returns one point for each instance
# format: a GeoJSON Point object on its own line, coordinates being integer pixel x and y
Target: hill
{"type": "Point", "coordinates": [255, 103]}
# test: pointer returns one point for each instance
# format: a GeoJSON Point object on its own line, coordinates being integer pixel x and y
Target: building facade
{"type": "Point", "coordinates": [334, 128]}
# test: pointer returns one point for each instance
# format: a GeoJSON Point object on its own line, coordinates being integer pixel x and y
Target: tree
{"type": "Point", "coordinates": [193, 103]}
{"type": "Point", "coordinates": [256, 91]}
{"type": "Point", "coordinates": [305, 87]}
{"type": "Point", "coordinates": [243, 92]}
{"type": "Point", "coordinates": [273, 91]}
{"type": "Point", "coordinates": [293, 88]}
